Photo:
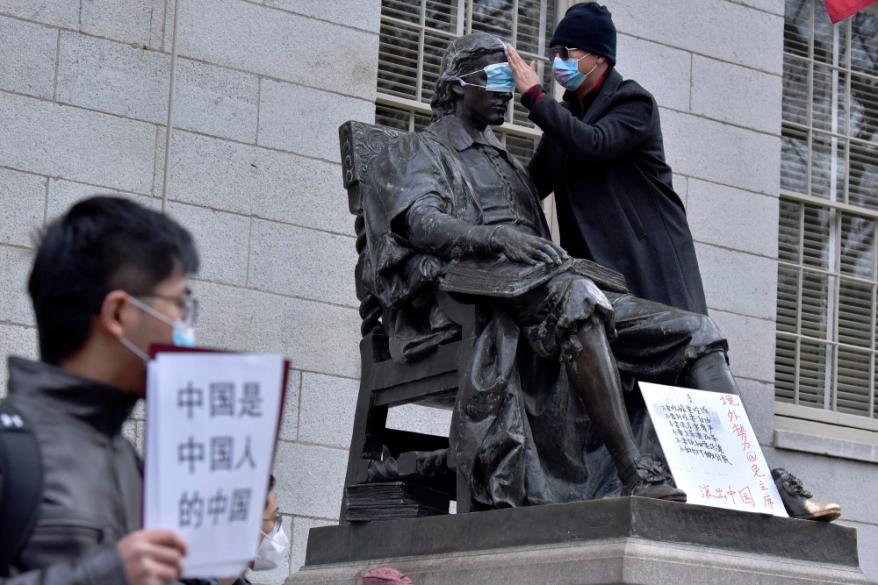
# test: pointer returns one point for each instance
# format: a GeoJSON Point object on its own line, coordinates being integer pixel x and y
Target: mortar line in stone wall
{"type": "Point", "coordinates": [693, 52]}
{"type": "Point", "coordinates": [318, 373]}
{"type": "Point", "coordinates": [77, 181]}
{"type": "Point", "coordinates": [258, 108]}
{"type": "Point", "coordinates": [353, 307]}
{"type": "Point", "coordinates": [851, 520]}
{"type": "Point", "coordinates": [46, 201]}
{"type": "Point", "coordinates": [169, 128]}
{"type": "Point", "coordinates": [20, 247]}
{"type": "Point", "coordinates": [299, 407]}
{"type": "Point", "coordinates": [722, 184]}
{"type": "Point", "coordinates": [281, 295]}
{"type": "Point", "coordinates": [80, 107]}
{"type": "Point", "coordinates": [155, 161]}
{"type": "Point", "coordinates": [62, 28]}
{"type": "Point", "coordinates": [265, 219]}
{"type": "Point", "coordinates": [736, 250]}
{"type": "Point", "coordinates": [304, 517]}
{"type": "Point", "coordinates": [723, 122]}
{"type": "Point", "coordinates": [309, 444]}
{"type": "Point", "coordinates": [262, 146]}
{"type": "Point", "coordinates": [57, 64]}
{"type": "Point", "coordinates": [318, 19]}
{"type": "Point", "coordinates": [737, 314]}
{"type": "Point", "coordinates": [306, 227]}
{"type": "Point", "coordinates": [249, 250]}
{"type": "Point", "coordinates": [691, 80]}
{"type": "Point", "coordinates": [77, 107]}
{"type": "Point", "coordinates": [6, 323]}
{"type": "Point", "coordinates": [750, 7]}
{"type": "Point", "coordinates": [757, 380]}
{"type": "Point", "coordinates": [270, 77]}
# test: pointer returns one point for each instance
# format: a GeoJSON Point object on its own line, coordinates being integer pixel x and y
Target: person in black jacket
{"type": "Point", "coordinates": [602, 155]}
{"type": "Point", "coordinates": [110, 277]}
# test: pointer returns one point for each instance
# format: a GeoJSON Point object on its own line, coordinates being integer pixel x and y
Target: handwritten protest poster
{"type": "Point", "coordinates": [711, 449]}
{"type": "Point", "coordinates": [210, 432]}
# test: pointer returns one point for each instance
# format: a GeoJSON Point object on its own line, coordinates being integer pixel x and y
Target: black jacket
{"type": "Point", "coordinates": [92, 479]}
{"type": "Point", "coordinates": [615, 199]}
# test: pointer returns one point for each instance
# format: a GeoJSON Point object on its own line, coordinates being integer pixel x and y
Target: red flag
{"type": "Point", "coordinates": [840, 9]}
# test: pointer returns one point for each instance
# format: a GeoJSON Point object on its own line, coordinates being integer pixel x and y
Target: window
{"type": "Point", "coordinates": [414, 35]}
{"type": "Point", "coordinates": [825, 367]}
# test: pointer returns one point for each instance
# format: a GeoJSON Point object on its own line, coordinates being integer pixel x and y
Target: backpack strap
{"type": "Point", "coordinates": [21, 484]}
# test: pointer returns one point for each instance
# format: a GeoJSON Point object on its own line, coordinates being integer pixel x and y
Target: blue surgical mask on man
{"type": "Point", "coordinates": [498, 77]}
{"type": "Point", "coordinates": [567, 73]}
{"type": "Point", "coordinates": [182, 333]}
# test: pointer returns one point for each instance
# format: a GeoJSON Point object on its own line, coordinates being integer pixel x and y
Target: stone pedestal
{"type": "Point", "coordinates": [617, 541]}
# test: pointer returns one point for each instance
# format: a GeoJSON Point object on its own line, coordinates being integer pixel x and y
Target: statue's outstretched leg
{"type": "Point", "coordinates": [596, 378]}
{"type": "Point", "coordinates": [710, 372]}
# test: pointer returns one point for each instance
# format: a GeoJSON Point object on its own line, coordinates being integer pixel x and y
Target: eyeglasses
{"type": "Point", "coordinates": [562, 52]}
{"type": "Point", "coordinates": [187, 304]}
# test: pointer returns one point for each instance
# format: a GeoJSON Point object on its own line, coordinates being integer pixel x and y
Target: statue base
{"type": "Point", "coordinates": [615, 541]}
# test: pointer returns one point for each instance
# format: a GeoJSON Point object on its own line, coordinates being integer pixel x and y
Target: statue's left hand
{"type": "Point", "coordinates": [525, 75]}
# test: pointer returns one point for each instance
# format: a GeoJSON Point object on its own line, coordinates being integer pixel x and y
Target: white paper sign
{"type": "Point", "coordinates": [711, 449]}
{"type": "Point", "coordinates": [210, 431]}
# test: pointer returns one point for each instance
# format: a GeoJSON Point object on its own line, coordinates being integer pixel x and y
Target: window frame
{"type": "Point", "coordinates": [843, 428]}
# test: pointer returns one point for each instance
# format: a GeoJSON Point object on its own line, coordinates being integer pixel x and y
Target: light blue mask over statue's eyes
{"type": "Point", "coordinates": [498, 75]}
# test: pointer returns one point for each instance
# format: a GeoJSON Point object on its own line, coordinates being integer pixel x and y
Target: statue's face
{"type": "Point", "coordinates": [482, 107]}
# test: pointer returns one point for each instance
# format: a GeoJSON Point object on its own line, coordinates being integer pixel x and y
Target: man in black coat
{"type": "Point", "coordinates": [602, 155]}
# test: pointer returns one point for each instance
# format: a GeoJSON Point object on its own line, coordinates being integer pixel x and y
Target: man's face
{"type": "Point", "coordinates": [142, 329]}
{"type": "Point", "coordinates": [482, 107]}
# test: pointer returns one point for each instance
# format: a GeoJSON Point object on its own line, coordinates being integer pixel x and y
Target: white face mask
{"type": "Point", "coordinates": [271, 550]}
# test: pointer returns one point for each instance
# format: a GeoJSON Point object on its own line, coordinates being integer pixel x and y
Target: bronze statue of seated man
{"type": "Point", "coordinates": [541, 415]}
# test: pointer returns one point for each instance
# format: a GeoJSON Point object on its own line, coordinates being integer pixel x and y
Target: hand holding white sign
{"type": "Point", "coordinates": [211, 426]}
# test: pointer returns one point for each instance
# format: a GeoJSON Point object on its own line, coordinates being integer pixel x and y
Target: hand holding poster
{"type": "Point", "coordinates": [211, 426]}
{"type": "Point", "coordinates": [711, 449]}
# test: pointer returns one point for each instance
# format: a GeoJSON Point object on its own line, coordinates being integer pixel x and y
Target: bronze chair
{"type": "Point", "coordinates": [430, 381]}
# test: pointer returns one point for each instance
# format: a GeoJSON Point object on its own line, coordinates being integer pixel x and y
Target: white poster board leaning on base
{"type": "Point", "coordinates": [211, 426]}
{"type": "Point", "coordinates": [711, 449]}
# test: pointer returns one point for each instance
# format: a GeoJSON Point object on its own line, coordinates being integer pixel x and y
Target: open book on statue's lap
{"type": "Point", "coordinates": [505, 279]}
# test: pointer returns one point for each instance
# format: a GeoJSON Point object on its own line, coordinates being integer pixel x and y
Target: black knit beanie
{"type": "Point", "coordinates": [588, 26]}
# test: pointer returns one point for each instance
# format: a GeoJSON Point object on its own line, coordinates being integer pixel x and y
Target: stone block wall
{"type": "Point", "coordinates": [259, 90]}
{"type": "Point", "coordinates": [254, 172]}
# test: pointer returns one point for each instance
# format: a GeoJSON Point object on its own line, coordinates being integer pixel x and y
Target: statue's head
{"type": "Point", "coordinates": [462, 79]}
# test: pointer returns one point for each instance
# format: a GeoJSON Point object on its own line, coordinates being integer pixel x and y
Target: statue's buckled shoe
{"type": "Point", "coordinates": [655, 481]}
{"type": "Point", "coordinates": [798, 501]}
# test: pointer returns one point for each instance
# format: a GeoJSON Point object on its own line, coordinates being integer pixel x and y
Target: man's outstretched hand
{"type": "Point", "coordinates": [525, 75]}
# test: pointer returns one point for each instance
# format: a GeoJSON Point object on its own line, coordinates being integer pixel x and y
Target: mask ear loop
{"type": "Point", "coordinates": [129, 345]}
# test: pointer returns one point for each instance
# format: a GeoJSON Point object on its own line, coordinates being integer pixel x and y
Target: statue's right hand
{"type": "Point", "coordinates": [521, 247]}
